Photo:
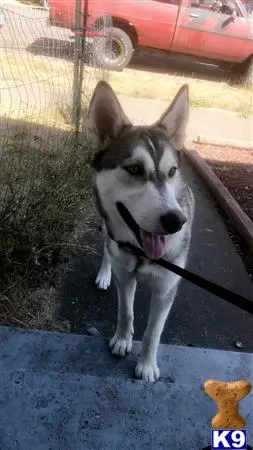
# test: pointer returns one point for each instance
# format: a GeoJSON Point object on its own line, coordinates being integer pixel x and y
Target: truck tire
{"type": "Point", "coordinates": [114, 51]}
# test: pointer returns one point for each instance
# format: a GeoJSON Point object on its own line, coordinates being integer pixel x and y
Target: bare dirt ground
{"type": "Point", "coordinates": [234, 167]}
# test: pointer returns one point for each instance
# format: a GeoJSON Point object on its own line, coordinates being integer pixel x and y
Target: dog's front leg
{"type": "Point", "coordinates": [103, 279]}
{"type": "Point", "coordinates": [160, 306]}
{"type": "Point", "coordinates": [121, 342]}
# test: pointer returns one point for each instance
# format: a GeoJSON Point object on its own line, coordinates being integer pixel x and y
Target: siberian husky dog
{"type": "Point", "coordinates": [145, 204]}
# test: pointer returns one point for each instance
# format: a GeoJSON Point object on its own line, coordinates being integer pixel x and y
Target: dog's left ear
{"type": "Point", "coordinates": [106, 118]}
{"type": "Point", "coordinates": [175, 118]}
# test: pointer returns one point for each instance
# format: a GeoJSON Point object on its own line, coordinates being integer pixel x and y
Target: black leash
{"type": "Point", "coordinates": [235, 299]}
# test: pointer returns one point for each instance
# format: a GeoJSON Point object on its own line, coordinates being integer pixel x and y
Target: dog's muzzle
{"type": "Point", "coordinates": [154, 245]}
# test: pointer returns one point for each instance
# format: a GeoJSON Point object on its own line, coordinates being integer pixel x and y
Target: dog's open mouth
{"type": "Point", "coordinates": [154, 245]}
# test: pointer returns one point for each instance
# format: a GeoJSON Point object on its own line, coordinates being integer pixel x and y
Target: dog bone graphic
{"type": "Point", "coordinates": [227, 395]}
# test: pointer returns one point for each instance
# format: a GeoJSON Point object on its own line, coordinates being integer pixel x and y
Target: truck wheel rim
{"type": "Point", "coordinates": [114, 51]}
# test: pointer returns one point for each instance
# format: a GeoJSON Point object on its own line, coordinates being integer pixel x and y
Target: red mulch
{"type": "Point", "coordinates": [234, 167]}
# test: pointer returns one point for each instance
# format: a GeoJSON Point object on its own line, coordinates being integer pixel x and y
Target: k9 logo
{"type": "Point", "coordinates": [229, 439]}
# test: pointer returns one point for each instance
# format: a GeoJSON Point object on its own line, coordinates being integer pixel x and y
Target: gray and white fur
{"type": "Point", "coordinates": [139, 167]}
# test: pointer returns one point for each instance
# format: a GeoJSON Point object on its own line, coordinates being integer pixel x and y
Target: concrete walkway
{"type": "Point", "coordinates": [65, 392]}
{"type": "Point", "coordinates": [208, 123]}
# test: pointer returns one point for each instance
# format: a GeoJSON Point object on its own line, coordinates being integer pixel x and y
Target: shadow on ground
{"type": "Point", "coordinates": [56, 48]}
{"type": "Point", "coordinates": [142, 61]}
{"type": "Point", "coordinates": [178, 66]}
{"type": "Point", "coordinates": [43, 178]}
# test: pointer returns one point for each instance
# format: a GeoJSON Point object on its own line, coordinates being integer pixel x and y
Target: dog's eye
{"type": "Point", "coordinates": [172, 172]}
{"type": "Point", "coordinates": [134, 169]}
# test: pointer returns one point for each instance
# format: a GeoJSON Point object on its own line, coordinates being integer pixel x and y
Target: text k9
{"type": "Point", "coordinates": [229, 439]}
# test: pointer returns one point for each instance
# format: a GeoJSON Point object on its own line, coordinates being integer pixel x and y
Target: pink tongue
{"type": "Point", "coordinates": [153, 244]}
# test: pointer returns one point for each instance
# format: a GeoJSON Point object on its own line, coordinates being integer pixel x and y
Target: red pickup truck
{"type": "Point", "coordinates": [220, 31]}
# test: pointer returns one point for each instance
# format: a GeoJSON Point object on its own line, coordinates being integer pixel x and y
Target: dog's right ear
{"type": "Point", "coordinates": [106, 118]}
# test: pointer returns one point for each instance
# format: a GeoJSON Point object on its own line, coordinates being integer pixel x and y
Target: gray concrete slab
{"type": "Point", "coordinates": [64, 391]}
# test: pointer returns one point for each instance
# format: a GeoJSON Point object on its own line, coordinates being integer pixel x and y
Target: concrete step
{"type": "Point", "coordinates": [64, 391]}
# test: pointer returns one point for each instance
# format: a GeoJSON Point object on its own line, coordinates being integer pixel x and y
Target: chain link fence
{"type": "Point", "coordinates": [48, 74]}
{"type": "Point", "coordinates": [38, 62]}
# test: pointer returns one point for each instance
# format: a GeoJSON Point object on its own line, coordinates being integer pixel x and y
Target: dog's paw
{"type": "Point", "coordinates": [103, 279]}
{"type": "Point", "coordinates": [120, 346]}
{"type": "Point", "coordinates": [147, 371]}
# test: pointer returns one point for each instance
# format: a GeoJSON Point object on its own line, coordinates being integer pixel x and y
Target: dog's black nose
{"type": "Point", "coordinates": [173, 221]}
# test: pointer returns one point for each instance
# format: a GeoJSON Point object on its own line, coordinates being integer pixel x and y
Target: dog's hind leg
{"type": "Point", "coordinates": [104, 275]}
{"type": "Point", "coordinates": [160, 306]}
{"type": "Point", "coordinates": [121, 342]}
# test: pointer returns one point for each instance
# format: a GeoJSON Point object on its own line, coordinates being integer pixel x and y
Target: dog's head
{"type": "Point", "coordinates": [137, 181]}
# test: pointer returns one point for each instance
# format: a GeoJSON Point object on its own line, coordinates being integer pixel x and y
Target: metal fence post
{"type": "Point", "coordinates": [83, 53]}
{"type": "Point", "coordinates": [77, 57]}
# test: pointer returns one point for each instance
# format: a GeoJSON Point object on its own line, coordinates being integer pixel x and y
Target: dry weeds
{"type": "Point", "coordinates": [44, 188]}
